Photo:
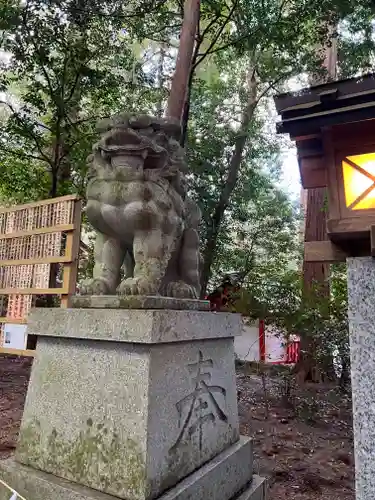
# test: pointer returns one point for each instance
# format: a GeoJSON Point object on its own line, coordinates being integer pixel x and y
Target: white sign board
{"type": "Point", "coordinates": [275, 345]}
{"type": "Point", "coordinates": [14, 336]}
{"type": "Point", "coordinates": [246, 345]}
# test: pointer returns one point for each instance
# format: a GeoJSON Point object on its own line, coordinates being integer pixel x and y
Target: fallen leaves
{"type": "Point", "coordinates": [306, 452]}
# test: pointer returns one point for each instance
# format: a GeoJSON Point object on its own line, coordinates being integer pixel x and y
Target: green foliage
{"type": "Point", "coordinates": [68, 64]}
{"type": "Point", "coordinates": [258, 221]}
{"type": "Point", "coordinates": [356, 45]}
{"type": "Point", "coordinates": [20, 182]}
{"type": "Point", "coordinates": [319, 320]}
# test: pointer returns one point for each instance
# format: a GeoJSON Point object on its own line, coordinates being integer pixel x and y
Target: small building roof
{"type": "Point", "coordinates": [308, 110]}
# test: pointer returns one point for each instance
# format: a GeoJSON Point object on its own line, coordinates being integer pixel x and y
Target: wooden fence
{"type": "Point", "coordinates": [33, 238]}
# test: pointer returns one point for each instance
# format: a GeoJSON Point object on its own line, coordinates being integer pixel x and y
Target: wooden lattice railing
{"type": "Point", "coordinates": [34, 237]}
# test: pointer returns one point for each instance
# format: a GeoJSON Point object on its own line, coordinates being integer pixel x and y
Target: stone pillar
{"type": "Point", "coordinates": [137, 404]}
{"type": "Point", "coordinates": [361, 312]}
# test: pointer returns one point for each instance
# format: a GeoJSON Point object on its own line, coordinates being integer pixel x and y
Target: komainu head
{"type": "Point", "coordinates": [139, 143]}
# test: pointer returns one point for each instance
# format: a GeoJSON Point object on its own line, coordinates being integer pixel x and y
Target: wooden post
{"type": "Point", "coordinates": [372, 240]}
{"type": "Point", "coordinates": [315, 214]}
{"type": "Point", "coordinates": [73, 240]}
{"type": "Point", "coordinates": [180, 79]}
{"type": "Point", "coordinates": [315, 230]}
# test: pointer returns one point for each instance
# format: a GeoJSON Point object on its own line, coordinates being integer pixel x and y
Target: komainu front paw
{"type": "Point", "coordinates": [96, 286]}
{"type": "Point", "coordinates": [181, 290]}
{"type": "Point", "coordinates": [137, 286]}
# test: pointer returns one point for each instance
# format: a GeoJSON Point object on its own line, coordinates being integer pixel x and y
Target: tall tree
{"type": "Point", "coordinates": [180, 80]}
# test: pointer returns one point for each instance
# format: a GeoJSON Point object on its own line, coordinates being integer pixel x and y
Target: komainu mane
{"type": "Point", "coordinates": [137, 203]}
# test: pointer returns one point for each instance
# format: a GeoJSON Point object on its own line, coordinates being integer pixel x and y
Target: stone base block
{"type": "Point", "coordinates": [257, 490]}
{"type": "Point", "coordinates": [220, 479]}
{"type": "Point", "coordinates": [138, 302]}
{"type": "Point", "coordinates": [226, 477]}
{"type": "Point", "coordinates": [37, 485]}
{"type": "Point", "coordinates": [144, 397]}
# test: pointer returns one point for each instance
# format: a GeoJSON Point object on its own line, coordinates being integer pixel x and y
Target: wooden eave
{"type": "Point", "coordinates": [350, 86]}
{"type": "Point", "coordinates": [306, 112]}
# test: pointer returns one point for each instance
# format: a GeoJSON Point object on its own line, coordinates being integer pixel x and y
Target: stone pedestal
{"type": "Point", "coordinates": [134, 404]}
{"type": "Point", "coordinates": [361, 311]}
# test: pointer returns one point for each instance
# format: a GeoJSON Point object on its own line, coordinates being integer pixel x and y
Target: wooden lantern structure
{"type": "Point", "coordinates": [333, 125]}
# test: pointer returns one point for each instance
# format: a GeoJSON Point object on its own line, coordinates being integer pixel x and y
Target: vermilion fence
{"type": "Point", "coordinates": [291, 348]}
{"type": "Point", "coordinates": [293, 352]}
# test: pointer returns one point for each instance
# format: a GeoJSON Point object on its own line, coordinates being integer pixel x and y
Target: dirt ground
{"type": "Point", "coordinates": [302, 443]}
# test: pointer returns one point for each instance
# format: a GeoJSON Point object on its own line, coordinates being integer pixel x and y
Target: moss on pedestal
{"type": "Point", "coordinates": [99, 458]}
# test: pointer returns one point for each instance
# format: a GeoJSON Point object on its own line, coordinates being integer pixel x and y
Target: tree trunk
{"type": "Point", "coordinates": [231, 180]}
{"type": "Point", "coordinates": [329, 57]}
{"type": "Point", "coordinates": [161, 78]}
{"type": "Point", "coordinates": [54, 183]}
{"type": "Point", "coordinates": [315, 277]}
{"type": "Point", "coordinates": [345, 373]}
{"type": "Point", "coordinates": [186, 111]}
{"type": "Point", "coordinates": [178, 92]}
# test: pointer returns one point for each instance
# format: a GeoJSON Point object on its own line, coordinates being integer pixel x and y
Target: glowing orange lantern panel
{"type": "Point", "coordinates": [359, 181]}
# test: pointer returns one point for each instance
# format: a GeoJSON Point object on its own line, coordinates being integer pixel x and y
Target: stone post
{"type": "Point", "coordinates": [133, 398]}
{"type": "Point", "coordinates": [361, 312]}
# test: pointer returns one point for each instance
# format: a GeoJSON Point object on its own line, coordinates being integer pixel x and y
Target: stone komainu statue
{"type": "Point", "coordinates": [137, 203]}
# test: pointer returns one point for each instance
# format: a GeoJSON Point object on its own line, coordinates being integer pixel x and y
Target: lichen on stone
{"type": "Point", "coordinates": [99, 458]}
